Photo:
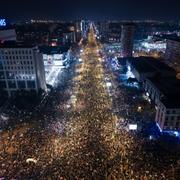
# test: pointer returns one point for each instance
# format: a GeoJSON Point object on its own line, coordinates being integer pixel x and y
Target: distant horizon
{"type": "Point", "coordinates": [105, 20]}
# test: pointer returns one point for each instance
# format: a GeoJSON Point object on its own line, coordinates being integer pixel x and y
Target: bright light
{"type": "Point", "coordinates": [108, 84]}
{"type": "Point", "coordinates": [80, 60]}
{"type": "Point", "coordinates": [31, 160]}
{"type": "Point", "coordinates": [132, 126]}
{"type": "Point", "coordinates": [139, 109]}
{"type": "Point", "coordinates": [129, 73]}
{"type": "Point", "coordinates": [2, 22]}
{"type": "Point", "coordinates": [176, 133]}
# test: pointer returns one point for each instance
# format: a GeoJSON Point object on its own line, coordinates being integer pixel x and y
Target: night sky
{"type": "Point", "coordinates": [91, 9]}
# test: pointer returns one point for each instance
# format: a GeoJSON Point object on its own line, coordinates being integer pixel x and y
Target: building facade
{"type": "Point", "coordinates": [21, 68]}
{"type": "Point", "coordinates": [172, 53]}
{"type": "Point", "coordinates": [168, 116]}
{"type": "Point", "coordinates": [127, 39]}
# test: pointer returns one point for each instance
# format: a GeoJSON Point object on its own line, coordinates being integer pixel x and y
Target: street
{"type": "Point", "coordinates": [82, 137]}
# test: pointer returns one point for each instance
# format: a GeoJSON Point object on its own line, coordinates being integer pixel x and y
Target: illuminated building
{"type": "Point", "coordinates": [168, 113]}
{"type": "Point", "coordinates": [84, 28]}
{"type": "Point", "coordinates": [21, 68]}
{"type": "Point", "coordinates": [157, 87]}
{"type": "Point", "coordinates": [165, 92]}
{"type": "Point", "coordinates": [127, 39]}
{"type": "Point", "coordinates": [69, 37]}
{"type": "Point", "coordinates": [7, 32]}
{"type": "Point", "coordinates": [55, 58]}
{"type": "Point", "coordinates": [161, 86]}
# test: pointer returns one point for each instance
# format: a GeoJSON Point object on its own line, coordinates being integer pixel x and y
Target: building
{"type": "Point", "coordinates": [168, 114]}
{"type": "Point", "coordinates": [161, 86]}
{"type": "Point", "coordinates": [55, 59]}
{"type": "Point", "coordinates": [8, 34]}
{"type": "Point", "coordinates": [127, 39]}
{"type": "Point", "coordinates": [172, 54]}
{"type": "Point", "coordinates": [165, 92]}
{"type": "Point", "coordinates": [84, 28]}
{"type": "Point", "coordinates": [21, 68]}
{"type": "Point", "coordinates": [158, 87]}
{"type": "Point", "coordinates": [69, 37]}
{"type": "Point", "coordinates": [146, 67]}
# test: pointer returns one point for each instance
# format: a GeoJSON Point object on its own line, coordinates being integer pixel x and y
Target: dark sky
{"type": "Point", "coordinates": [90, 9]}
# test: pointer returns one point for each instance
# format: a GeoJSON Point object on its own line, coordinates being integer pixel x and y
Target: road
{"type": "Point", "coordinates": [82, 141]}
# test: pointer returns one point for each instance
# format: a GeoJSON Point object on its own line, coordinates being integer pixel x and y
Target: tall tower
{"type": "Point", "coordinates": [127, 39]}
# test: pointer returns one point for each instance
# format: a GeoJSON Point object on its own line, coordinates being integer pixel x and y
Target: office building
{"type": "Point", "coordinates": [168, 113]}
{"type": "Point", "coordinates": [69, 37]}
{"type": "Point", "coordinates": [7, 35]}
{"type": "Point", "coordinates": [172, 54]}
{"type": "Point", "coordinates": [146, 67]}
{"type": "Point", "coordinates": [21, 68]}
{"type": "Point", "coordinates": [127, 39]}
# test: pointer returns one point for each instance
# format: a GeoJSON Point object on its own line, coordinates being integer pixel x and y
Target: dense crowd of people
{"type": "Point", "coordinates": [82, 137]}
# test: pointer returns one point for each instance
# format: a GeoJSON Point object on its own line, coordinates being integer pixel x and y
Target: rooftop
{"type": "Point", "coordinates": [171, 101]}
{"type": "Point", "coordinates": [149, 64]}
{"type": "Point", "coordinates": [172, 37]}
{"type": "Point", "coordinates": [15, 44]}
{"type": "Point", "coordinates": [168, 85]}
{"type": "Point", "coordinates": [53, 49]}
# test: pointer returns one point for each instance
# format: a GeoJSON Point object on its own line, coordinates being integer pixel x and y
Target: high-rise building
{"type": "Point", "coordinates": [21, 67]}
{"type": "Point", "coordinates": [172, 54]}
{"type": "Point", "coordinates": [127, 39]}
{"type": "Point", "coordinates": [84, 28]}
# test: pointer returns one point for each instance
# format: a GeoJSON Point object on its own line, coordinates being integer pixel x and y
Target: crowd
{"type": "Point", "coordinates": [87, 140]}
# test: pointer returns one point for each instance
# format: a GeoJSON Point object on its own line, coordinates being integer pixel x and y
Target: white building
{"type": "Point", "coordinates": [21, 67]}
{"type": "Point", "coordinates": [157, 87]}
{"type": "Point", "coordinates": [168, 114]}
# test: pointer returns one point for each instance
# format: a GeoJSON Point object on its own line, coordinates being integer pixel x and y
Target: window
{"type": "Point", "coordinates": [12, 84]}
{"type": "Point", "coordinates": [31, 84]}
{"type": "Point", "coordinates": [21, 84]}
{"type": "Point", "coordinates": [2, 75]}
{"type": "Point", "coordinates": [1, 65]}
{"type": "Point", "coordinates": [165, 123]}
{"type": "Point", "coordinates": [173, 112]}
{"type": "Point", "coordinates": [2, 84]}
{"type": "Point", "coordinates": [9, 75]}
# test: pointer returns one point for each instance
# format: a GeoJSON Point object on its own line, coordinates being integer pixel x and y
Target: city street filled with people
{"type": "Point", "coordinates": [81, 131]}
